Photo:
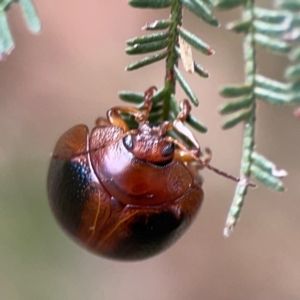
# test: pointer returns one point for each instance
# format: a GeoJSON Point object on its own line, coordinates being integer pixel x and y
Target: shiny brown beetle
{"type": "Point", "coordinates": [126, 194]}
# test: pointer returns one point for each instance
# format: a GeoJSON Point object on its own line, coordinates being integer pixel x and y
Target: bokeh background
{"type": "Point", "coordinates": [71, 74]}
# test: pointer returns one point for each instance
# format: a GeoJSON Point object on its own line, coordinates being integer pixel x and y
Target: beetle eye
{"type": "Point", "coordinates": [168, 149]}
{"type": "Point", "coordinates": [127, 141]}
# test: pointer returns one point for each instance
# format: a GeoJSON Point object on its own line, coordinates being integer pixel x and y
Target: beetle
{"type": "Point", "coordinates": [126, 194]}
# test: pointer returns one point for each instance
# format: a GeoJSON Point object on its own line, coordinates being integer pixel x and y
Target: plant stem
{"type": "Point", "coordinates": [172, 57]}
{"type": "Point", "coordinates": [249, 127]}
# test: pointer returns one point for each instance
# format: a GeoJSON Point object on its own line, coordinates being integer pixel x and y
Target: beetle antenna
{"type": "Point", "coordinates": [224, 174]}
{"type": "Point", "coordinates": [205, 162]}
{"type": "Point", "coordinates": [195, 152]}
{"type": "Point", "coordinates": [148, 95]}
{"type": "Point", "coordinates": [207, 159]}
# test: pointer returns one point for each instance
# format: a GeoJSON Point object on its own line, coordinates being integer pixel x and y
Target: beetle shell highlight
{"type": "Point", "coordinates": [115, 204]}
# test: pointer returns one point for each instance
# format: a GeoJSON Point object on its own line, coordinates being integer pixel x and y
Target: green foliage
{"type": "Point", "coordinates": [202, 10]}
{"type": "Point", "coordinates": [195, 41]}
{"type": "Point", "coordinates": [265, 28]}
{"type": "Point", "coordinates": [171, 42]}
{"type": "Point", "coordinates": [261, 27]}
{"type": "Point", "coordinates": [292, 74]}
{"type": "Point", "coordinates": [150, 3]}
{"type": "Point", "coordinates": [292, 5]}
{"type": "Point", "coordinates": [269, 43]}
{"type": "Point", "coordinates": [185, 87]}
{"type": "Point", "coordinates": [229, 4]}
{"type": "Point", "coordinates": [28, 10]}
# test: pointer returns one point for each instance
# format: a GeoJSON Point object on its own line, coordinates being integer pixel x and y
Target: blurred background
{"type": "Point", "coordinates": [71, 73]}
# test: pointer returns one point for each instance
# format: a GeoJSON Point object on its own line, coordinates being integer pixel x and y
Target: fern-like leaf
{"type": "Point", "coordinates": [171, 42]}
{"type": "Point", "coordinates": [292, 73]}
{"type": "Point", "coordinates": [265, 28]}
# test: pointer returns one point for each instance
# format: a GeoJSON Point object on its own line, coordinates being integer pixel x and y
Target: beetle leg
{"type": "Point", "coordinates": [185, 110]}
{"type": "Point", "coordinates": [185, 154]}
{"type": "Point", "coordinates": [180, 127]}
{"type": "Point", "coordinates": [148, 100]}
{"type": "Point", "coordinates": [116, 119]}
{"type": "Point", "coordinates": [207, 155]}
{"type": "Point", "coordinates": [140, 115]}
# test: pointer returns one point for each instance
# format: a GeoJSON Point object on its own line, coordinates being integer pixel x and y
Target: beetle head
{"type": "Point", "coordinates": [148, 143]}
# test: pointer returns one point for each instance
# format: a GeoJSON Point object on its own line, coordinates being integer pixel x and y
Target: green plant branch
{"type": "Point", "coordinates": [174, 43]}
{"type": "Point", "coordinates": [292, 73]}
{"type": "Point", "coordinates": [249, 126]}
{"type": "Point", "coordinates": [172, 57]}
{"type": "Point", "coordinates": [260, 27]}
